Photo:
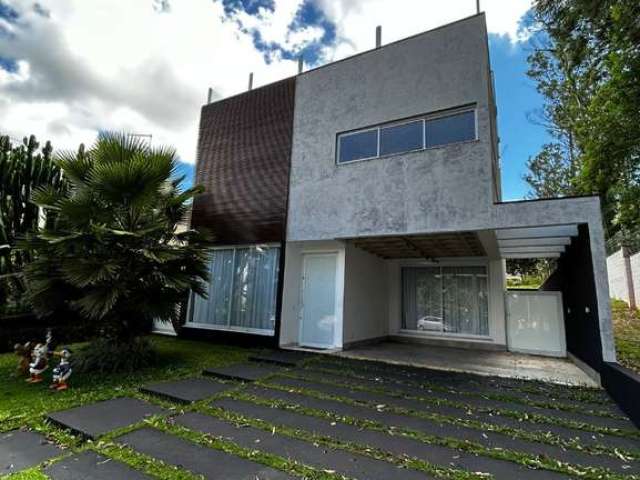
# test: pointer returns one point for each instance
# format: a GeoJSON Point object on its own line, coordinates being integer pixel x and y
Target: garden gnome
{"type": "Point", "coordinates": [23, 350]}
{"type": "Point", "coordinates": [62, 372]}
{"type": "Point", "coordinates": [39, 364]}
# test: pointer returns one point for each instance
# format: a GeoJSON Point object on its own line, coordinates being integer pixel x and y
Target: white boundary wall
{"type": "Point", "coordinates": [624, 276]}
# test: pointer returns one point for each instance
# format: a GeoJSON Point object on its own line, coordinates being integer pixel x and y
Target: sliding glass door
{"type": "Point", "coordinates": [445, 299]}
{"type": "Point", "coordinates": [242, 290]}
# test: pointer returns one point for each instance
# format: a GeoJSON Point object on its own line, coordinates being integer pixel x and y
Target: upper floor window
{"type": "Point", "coordinates": [359, 145]}
{"type": "Point", "coordinates": [460, 127]}
{"type": "Point", "coordinates": [417, 134]}
{"type": "Point", "coordinates": [402, 138]}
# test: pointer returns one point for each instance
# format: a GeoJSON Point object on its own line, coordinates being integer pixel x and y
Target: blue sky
{"type": "Point", "coordinates": [65, 77]}
{"type": "Point", "coordinates": [516, 97]}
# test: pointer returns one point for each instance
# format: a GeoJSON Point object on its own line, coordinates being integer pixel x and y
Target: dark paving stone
{"type": "Point", "coordinates": [91, 466]}
{"type": "Point", "coordinates": [245, 372]}
{"type": "Point", "coordinates": [21, 449]}
{"type": "Point", "coordinates": [447, 430]}
{"type": "Point", "coordinates": [287, 358]}
{"type": "Point", "coordinates": [316, 456]}
{"type": "Point", "coordinates": [395, 444]}
{"type": "Point", "coordinates": [188, 390]}
{"type": "Point", "coordinates": [473, 398]}
{"type": "Point", "coordinates": [585, 438]}
{"type": "Point", "coordinates": [213, 464]}
{"type": "Point", "coordinates": [99, 418]}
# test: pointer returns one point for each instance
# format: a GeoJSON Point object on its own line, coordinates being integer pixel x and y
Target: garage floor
{"type": "Point", "coordinates": [501, 364]}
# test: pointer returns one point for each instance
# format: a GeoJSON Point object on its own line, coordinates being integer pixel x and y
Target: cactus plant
{"type": "Point", "coordinates": [23, 168]}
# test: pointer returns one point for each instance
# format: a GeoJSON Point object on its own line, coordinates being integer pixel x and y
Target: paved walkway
{"type": "Point", "coordinates": [492, 363]}
{"type": "Point", "coordinates": [329, 417]}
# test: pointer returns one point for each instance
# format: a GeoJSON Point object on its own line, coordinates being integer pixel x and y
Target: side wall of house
{"type": "Point", "coordinates": [365, 296]}
{"type": "Point", "coordinates": [574, 278]}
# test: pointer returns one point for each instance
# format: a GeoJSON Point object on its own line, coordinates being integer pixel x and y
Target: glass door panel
{"type": "Point", "coordinates": [445, 299]}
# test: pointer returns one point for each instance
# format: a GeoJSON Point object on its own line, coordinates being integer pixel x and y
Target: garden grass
{"type": "Point", "coordinates": [24, 404]}
{"type": "Point", "coordinates": [626, 329]}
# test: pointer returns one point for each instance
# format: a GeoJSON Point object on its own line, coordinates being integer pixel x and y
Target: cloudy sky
{"type": "Point", "coordinates": [71, 68]}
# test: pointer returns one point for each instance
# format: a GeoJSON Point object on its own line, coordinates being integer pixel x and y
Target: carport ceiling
{"type": "Point", "coordinates": [457, 244]}
{"type": "Point", "coordinates": [535, 242]}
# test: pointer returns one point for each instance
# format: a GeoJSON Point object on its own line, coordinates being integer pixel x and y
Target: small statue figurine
{"type": "Point", "coordinates": [24, 351]}
{"type": "Point", "coordinates": [62, 372]}
{"type": "Point", "coordinates": [39, 364]}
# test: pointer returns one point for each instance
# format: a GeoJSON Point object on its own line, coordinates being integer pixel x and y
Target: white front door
{"type": "Point", "coordinates": [318, 316]}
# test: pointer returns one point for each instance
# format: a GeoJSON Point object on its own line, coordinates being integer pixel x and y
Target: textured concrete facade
{"type": "Point", "coordinates": [447, 188]}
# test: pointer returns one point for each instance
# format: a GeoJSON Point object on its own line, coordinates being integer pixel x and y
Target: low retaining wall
{"type": "Point", "coordinates": [624, 276]}
{"type": "Point", "coordinates": [624, 387]}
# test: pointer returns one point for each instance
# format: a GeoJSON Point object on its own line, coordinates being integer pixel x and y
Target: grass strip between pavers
{"type": "Point", "coordinates": [144, 463]}
{"type": "Point", "coordinates": [568, 392]}
{"type": "Point", "coordinates": [499, 397]}
{"type": "Point", "coordinates": [403, 462]}
{"type": "Point", "coordinates": [33, 473]}
{"type": "Point", "coordinates": [203, 406]}
{"type": "Point", "coordinates": [549, 438]}
{"type": "Point", "coordinates": [254, 455]}
{"type": "Point", "coordinates": [531, 461]}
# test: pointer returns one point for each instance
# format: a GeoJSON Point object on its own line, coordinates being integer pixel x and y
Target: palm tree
{"type": "Point", "coordinates": [111, 249]}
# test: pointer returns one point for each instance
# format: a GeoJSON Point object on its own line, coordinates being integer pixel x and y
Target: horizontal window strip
{"type": "Point", "coordinates": [416, 134]}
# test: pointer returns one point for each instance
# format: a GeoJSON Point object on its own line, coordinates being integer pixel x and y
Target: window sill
{"type": "Point", "coordinates": [408, 153]}
{"type": "Point", "coordinates": [223, 328]}
{"type": "Point", "coordinates": [445, 335]}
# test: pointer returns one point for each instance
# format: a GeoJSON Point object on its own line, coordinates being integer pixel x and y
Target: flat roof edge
{"type": "Point", "coordinates": [355, 55]}
{"type": "Point", "coordinates": [534, 200]}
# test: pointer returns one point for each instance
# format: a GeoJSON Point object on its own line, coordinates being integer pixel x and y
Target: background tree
{"type": "Point", "coordinates": [586, 64]}
{"type": "Point", "coordinates": [23, 168]}
{"type": "Point", "coordinates": [113, 251]}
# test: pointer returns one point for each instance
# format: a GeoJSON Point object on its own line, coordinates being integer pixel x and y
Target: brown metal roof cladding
{"type": "Point", "coordinates": [244, 157]}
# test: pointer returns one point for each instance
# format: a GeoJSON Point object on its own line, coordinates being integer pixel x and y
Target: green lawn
{"type": "Point", "coordinates": [626, 326]}
{"type": "Point", "coordinates": [24, 404]}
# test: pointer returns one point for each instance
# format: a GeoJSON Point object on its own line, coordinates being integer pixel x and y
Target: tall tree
{"type": "Point", "coordinates": [587, 66]}
{"type": "Point", "coordinates": [114, 252]}
{"type": "Point", "coordinates": [23, 168]}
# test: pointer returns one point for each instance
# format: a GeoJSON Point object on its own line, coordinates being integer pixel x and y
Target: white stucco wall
{"type": "Point", "coordinates": [365, 296]}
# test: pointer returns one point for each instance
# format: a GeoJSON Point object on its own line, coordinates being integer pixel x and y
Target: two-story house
{"type": "Point", "coordinates": [361, 201]}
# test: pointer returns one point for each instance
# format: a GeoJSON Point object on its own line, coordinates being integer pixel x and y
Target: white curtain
{"type": "Point", "coordinates": [242, 289]}
{"type": "Point", "coordinates": [448, 299]}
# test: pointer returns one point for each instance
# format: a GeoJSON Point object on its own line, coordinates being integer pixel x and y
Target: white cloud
{"type": "Point", "coordinates": [145, 65]}
{"type": "Point", "coordinates": [357, 20]}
